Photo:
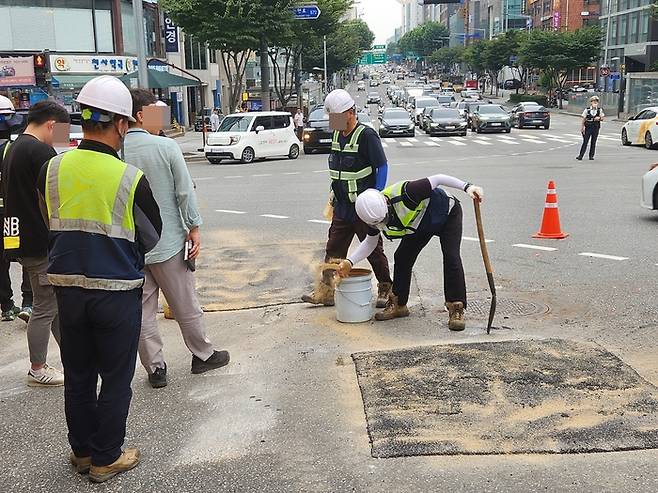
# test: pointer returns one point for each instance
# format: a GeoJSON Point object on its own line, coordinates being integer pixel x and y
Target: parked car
{"type": "Point", "coordinates": [374, 98]}
{"type": "Point", "coordinates": [650, 188]}
{"type": "Point", "coordinates": [442, 121]}
{"type": "Point", "coordinates": [396, 122]}
{"type": "Point", "coordinates": [360, 86]}
{"type": "Point", "coordinates": [530, 115]}
{"type": "Point", "coordinates": [642, 128]}
{"type": "Point", "coordinates": [420, 104]}
{"type": "Point", "coordinates": [512, 84]}
{"type": "Point", "coordinates": [249, 136]}
{"type": "Point", "coordinates": [491, 117]}
{"type": "Point", "coordinates": [317, 135]}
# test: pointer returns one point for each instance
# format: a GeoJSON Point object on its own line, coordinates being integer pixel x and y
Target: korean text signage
{"type": "Point", "coordinates": [17, 71]}
{"type": "Point", "coordinates": [171, 35]}
{"type": "Point", "coordinates": [114, 65]}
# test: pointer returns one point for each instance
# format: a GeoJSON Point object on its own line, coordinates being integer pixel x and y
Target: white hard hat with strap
{"type": "Point", "coordinates": [108, 94]}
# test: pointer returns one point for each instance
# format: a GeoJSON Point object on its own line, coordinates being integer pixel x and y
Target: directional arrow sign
{"type": "Point", "coordinates": [308, 12]}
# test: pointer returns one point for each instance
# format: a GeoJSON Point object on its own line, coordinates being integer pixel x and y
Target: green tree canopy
{"type": "Point", "coordinates": [425, 39]}
{"type": "Point", "coordinates": [447, 58]}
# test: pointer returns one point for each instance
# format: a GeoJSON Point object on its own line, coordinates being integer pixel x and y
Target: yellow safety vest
{"type": "Point", "coordinates": [408, 220]}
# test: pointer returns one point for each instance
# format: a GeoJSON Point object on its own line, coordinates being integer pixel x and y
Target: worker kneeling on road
{"type": "Point", "coordinates": [415, 211]}
{"type": "Point", "coordinates": [357, 163]}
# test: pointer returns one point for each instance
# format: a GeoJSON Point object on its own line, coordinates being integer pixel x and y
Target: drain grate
{"type": "Point", "coordinates": [505, 308]}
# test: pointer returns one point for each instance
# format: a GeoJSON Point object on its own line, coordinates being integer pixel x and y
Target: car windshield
{"type": "Point", "coordinates": [396, 114]}
{"type": "Point", "coordinates": [444, 99]}
{"type": "Point", "coordinates": [364, 118]}
{"type": "Point", "coordinates": [491, 110]}
{"type": "Point", "coordinates": [425, 102]}
{"type": "Point", "coordinates": [235, 124]}
{"type": "Point", "coordinates": [318, 115]}
{"type": "Point", "coordinates": [445, 113]}
{"type": "Point", "coordinates": [373, 95]}
{"type": "Point", "coordinates": [463, 106]}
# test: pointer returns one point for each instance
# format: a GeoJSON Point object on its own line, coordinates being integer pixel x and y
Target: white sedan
{"type": "Point", "coordinates": [650, 189]}
{"type": "Point", "coordinates": [641, 129]}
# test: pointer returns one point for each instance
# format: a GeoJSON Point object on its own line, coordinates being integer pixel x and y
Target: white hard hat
{"type": "Point", "coordinates": [338, 101]}
{"type": "Point", "coordinates": [160, 103]}
{"type": "Point", "coordinates": [109, 94]}
{"type": "Point", "coordinates": [6, 106]}
{"type": "Point", "coordinates": [371, 207]}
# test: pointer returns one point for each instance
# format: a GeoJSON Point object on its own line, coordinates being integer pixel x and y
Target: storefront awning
{"type": "Point", "coordinates": [158, 79]}
{"type": "Point", "coordinates": [70, 81]}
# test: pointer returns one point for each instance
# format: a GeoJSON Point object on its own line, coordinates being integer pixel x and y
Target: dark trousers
{"type": "Point", "coordinates": [99, 337]}
{"type": "Point", "coordinates": [450, 236]}
{"type": "Point", "coordinates": [6, 293]}
{"type": "Point", "coordinates": [591, 134]}
{"type": "Point", "coordinates": [299, 131]}
{"type": "Point", "coordinates": [342, 232]}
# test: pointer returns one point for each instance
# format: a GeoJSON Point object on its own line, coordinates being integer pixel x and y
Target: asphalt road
{"type": "Point", "coordinates": [286, 415]}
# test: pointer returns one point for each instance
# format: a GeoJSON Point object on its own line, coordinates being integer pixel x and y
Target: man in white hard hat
{"type": "Point", "coordinates": [9, 122]}
{"type": "Point", "coordinates": [103, 219]}
{"type": "Point", "coordinates": [415, 211]}
{"type": "Point", "coordinates": [357, 163]}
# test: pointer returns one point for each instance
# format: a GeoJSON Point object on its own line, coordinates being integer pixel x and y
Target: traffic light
{"type": "Point", "coordinates": [40, 69]}
{"type": "Point", "coordinates": [40, 61]}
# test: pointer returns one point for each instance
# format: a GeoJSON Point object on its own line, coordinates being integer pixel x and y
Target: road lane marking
{"type": "Point", "coordinates": [393, 141]}
{"type": "Point", "coordinates": [558, 139]}
{"type": "Point", "coordinates": [259, 176]}
{"type": "Point", "coordinates": [601, 255]}
{"type": "Point", "coordinates": [506, 137]}
{"type": "Point", "coordinates": [609, 138]}
{"type": "Point", "coordinates": [460, 138]}
{"type": "Point", "coordinates": [228, 211]}
{"type": "Point", "coordinates": [204, 178]}
{"type": "Point", "coordinates": [233, 176]}
{"type": "Point", "coordinates": [292, 173]}
{"type": "Point", "coordinates": [406, 144]}
{"type": "Point", "coordinates": [432, 144]}
{"type": "Point", "coordinates": [456, 142]}
{"type": "Point", "coordinates": [528, 136]}
{"type": "Point", "coordinates": [274, 216]}
{"type": "Point", "coordinates": [533, 140]}
{"type": "Point", "coordinates": [435, 139]}
{"type": "Point", "coordinates": [510, 141]}
{"type": "Point", "coordinates": [321, 171]}
{"type": "Point", "coordinates": [535, 247]}
{"type": "Point", "coordinates": [470, 238]}
{"type": "Point", "coordinates": [412, 139]}
{"type": "Point", "coordinates": [481, 142]}
{"type": "Point", "coordinates": [482, 137]}
{"type": "Point", "coordinates": [318, 221]}
{"type": "Point", "coordinates": [580, 136]}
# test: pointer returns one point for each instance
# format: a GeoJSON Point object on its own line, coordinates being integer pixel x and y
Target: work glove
{"type": "Point", "coordinates": [344, 268]}
{"type": "Point", "coordinates": [475, 192]}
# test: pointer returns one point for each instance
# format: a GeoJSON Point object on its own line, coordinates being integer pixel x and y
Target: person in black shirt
{"type": "Point", "coordinates": [590, 127]}
{"type": "Point", "coordinates": [25, 233]}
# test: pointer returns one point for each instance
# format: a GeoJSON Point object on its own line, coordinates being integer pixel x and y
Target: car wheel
{"type": "Point", "coordinates": [248, 156]}
{"type": "Point", "coordinates": [624, 138]}
{"type": "Point", "coordinates": [215, 161]}
{"type": "Point", "coordinates": [463, 134]}
{"type": "Point", "coordinates": [547, 126]}
{"type": "Point", "coordinates": [294, 152]}
{"type": "Point", "coordinates": [508, 130]}
{"type": "Point", "coordinates": [648, 141]}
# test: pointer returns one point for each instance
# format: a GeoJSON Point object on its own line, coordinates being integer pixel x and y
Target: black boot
{"type": "Point", "coordinates": [158, 378]}
{"type": "Point", "coordinates": [217, 360]}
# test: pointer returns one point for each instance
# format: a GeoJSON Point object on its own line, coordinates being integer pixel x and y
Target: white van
{"type": "Point", "coordinates": [248, 136]}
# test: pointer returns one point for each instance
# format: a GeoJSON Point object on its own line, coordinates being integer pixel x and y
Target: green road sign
{"type": "Point", "coordinates": [379, 47]}
{"type": "Point", "coordinates": [373, 58]}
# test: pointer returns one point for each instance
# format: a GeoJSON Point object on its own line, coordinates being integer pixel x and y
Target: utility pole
{"type": "Point", "coordinates": [607, 43]}
{"type": "Point", "coordinates": [138, 13]}
{"type": "Point", "coordinates": [326, 81]}
{"type": "Point", "coordinates": [264, 76]}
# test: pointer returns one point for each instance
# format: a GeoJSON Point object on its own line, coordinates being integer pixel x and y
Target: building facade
{"type": "Point", "coordinates": [563, 15]}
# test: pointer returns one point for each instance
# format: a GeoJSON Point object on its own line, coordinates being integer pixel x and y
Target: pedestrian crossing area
{"type": "Point", "coordinates": [514, 139]}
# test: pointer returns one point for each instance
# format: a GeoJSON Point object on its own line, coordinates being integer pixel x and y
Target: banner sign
{"type": "Point", "coordinates": [171, 35]}
{"type": "Point", "coordinates": [86, 64]}
{"type": "Point", "coordinates": [17, 71]}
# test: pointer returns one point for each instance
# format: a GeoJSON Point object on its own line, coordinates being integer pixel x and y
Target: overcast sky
{"type": "Point", "coordinates": [382, 16]}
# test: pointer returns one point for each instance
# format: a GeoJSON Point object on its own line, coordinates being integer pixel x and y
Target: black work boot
{"type": "Point", "coordinates": [217, 360]}
{"type": "Point", "coordinates": [158, 378]}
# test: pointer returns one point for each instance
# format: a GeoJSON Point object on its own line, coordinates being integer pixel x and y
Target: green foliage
{"type": "Point", "coordinates": [447, 58]}
{"type": "Point", "coordinates": [393, 49]}
{"type": "Point", "coordinates": [520, 98]}
{"type": "Point", "coordinates": [473, 56]}
{"type": "Point", "coordinates": [425, 39]}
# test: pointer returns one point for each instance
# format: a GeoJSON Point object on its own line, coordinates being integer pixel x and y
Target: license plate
{"type": "Point", "coordinates": [398, 131]}
{"type": "Point", "coordinates": [325, 141]}
{"type": "Point", "coordinates": [496, 124]}
{"type": "Point", "coordinates": [450, 128]}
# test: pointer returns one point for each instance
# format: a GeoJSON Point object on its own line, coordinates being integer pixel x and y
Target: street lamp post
{"type": "Point", "coordinates": [607, 43]}
{"type": "Point", "coordinates": [326, 82]}
{"type": "Point", "coordinates": [142, 70]}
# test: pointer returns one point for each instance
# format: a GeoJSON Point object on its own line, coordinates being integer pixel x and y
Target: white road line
{"type": "Point", "coordinates": [393, 141]}
{"type": "Point", "coordinates": [460, 138]}
{"type": "Point", "coordinates": [435, 139]}
{"type": "Point", "coordinates": [482, 137]}
{"type": "Point", "coordinates": [204, 178]}
{"type": "Point", "coordinates": [432, 144]}
{"type": "Point", "coordinates": [557, 139]}
{"type": "Point", "coordinates": [292, 173]}
{"type": "Point", "coordinates": [534, 141]}
{"type": "Point", "coordinates": [528, 136]}
{"type": "Point", "coordinates": [320, 171]}
{"type": "Point", "coordinates": [505, 137]}
{"type": "Point", "coordinates": [600, 255]}
{"type": "Point", "coordinates": [506, 141]}
{"type": "Point", "coordinates": [535, 247]}
{"type": "Point", "coordinates": [227, 211]}
{"type": "Point", "coordinates": [234, 176]}
{"type": "Point", "coordinates": [274, 216]}
{"type": "Point", "coordinates": [259, 176]}
{"type": "Point", "coordinates": [406, 144]}
{"type": "Point", "coordinates": [470, 238]}
{"type": "Point", "coordinates": [412, 139]}
{"type": "Point", "coordinates": [318, 221]}
{"type": "Point", "coordinates": [481, 142]}
{"type": "Point", "coordinates": [579, 136]}
{"type": "Point", "coordinates": [384, 145]}
{"type": "Point", "coordinates": [455, 142]}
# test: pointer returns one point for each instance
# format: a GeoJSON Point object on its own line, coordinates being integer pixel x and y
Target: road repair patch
{"type": "Point", "coordinates": [550, 396]}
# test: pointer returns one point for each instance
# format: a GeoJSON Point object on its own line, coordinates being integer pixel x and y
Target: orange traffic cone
{"type": "Point", "coordinates": [550, 223]}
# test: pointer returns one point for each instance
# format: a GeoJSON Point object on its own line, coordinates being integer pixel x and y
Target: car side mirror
{"type": "Point", "coordinates": [631, 118]}
{"type": "Point", "coordinates": [260, 128]}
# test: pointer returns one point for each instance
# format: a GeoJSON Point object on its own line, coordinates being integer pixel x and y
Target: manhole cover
{"type": "Point", "coordinates": [505, 308]}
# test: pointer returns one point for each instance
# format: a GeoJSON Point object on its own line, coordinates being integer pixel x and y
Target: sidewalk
{"type": "Point", "coordinates": [190, 143]}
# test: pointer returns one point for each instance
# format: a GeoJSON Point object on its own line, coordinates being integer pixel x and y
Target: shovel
{"type": "Point", "coordinates": [487, 263]}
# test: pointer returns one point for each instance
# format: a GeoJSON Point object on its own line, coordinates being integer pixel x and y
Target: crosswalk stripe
{"type": "Point", "coordinates": [574, 135]}
{"type": "Point", "coordinates": [506, 141]}
{"type": "Point", "coordinates": [406, 144]}
{"type": "Point", "coordinates": [435, 139]}
{"type": "Point", "coordinates": [557, 139]}
{"type": "Point", "coordinates": [432, 144]}
{"type": "Point", "coordinates": [505, 137]}
{"type": "Point", "coordinates": [460, 138]}
{"type": "Point", "coordinates": [455, 142]}
{"type": "Point", "coordinates": [481, 142]}
{"type": "Point", "coordinates": [482, 137]}
{"type": "Point", "coordinates": [384, 144]}
{"type": "Point", "coordinates": [411, 139]}
{"type": "Point", "coordinates": [534, 141]}
{"type": "Point", "coordinates": [528, 136]}
{"type": "Point", "coordinates": [392, 141]}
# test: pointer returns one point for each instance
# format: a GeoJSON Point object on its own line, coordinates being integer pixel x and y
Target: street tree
{"type": "Point", "coordinates": [425, 39]}
{"type": "Point", "coordinates": [473, 57]}
{"type": "Point", "coordinates": [497, 54]}
{"type": "Point", "coordinates": [446, 58]}
{"type": "Point", "coordinates": [558, 53]}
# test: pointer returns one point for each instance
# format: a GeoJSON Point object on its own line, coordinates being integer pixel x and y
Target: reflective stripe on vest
{"type": "Point", "coordinates": [75, 205]}
{"type": "Point", "coordinates": [352, 145]}
{"type": "Point", "coordinates": [409, 218]}
{"type": "Point", "coordinates": [351, 177]}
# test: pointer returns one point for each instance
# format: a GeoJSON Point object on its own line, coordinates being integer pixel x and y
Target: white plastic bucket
{"type": "Point", "coordinates": [354, 297]}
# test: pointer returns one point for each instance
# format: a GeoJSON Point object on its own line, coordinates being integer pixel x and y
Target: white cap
{"type": "Point", "coordinates": [109, 94]}
{"type": "Point", "coordinates": [338, 101]}
{"type": "Point", "coordinates": [160, 103]}
{"type": "Point", "coordinates": [6, 106]}
{"type": "Point", "coordinates": [371, 207]}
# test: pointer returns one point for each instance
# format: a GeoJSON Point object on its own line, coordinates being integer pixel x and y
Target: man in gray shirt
{"type": "Point", "coordinates": [166, 268]}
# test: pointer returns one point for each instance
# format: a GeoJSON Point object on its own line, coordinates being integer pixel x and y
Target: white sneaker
{"type": "Point", "coordinates": [45, 377]}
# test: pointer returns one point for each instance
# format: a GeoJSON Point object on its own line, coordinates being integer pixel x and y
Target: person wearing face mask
{"type": "Point", "coordinates": [416, 211]}
{"type": "Point", "coordinates": [591, 125]}
{"type": "Point", "coordinates": [102, 218]}
{"type": "Point", "coordinates": [25, 234]}
{"type": "Point", "coordinates": [357, 163]}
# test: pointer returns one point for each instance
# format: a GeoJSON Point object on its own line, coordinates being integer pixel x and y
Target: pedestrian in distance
{"type": "Point", "coordinates": [103, 219]}
{"type": "Point", "coordinates": [415, 212]}
{"type": "Point", "coordinates": [10, 121]}
{"type": "Point", "coordinates": [357, 162]}
{"type": "Point", "coordinates": [168, 266]}
{"type": "Point", "coordinates": [25, 235]}
{"type": "Point", "coordinates": [591, 125]}
{"type": "Point", "coordinates": [214, 121]}
{"type": "Point", "coordinates": [299, 123]}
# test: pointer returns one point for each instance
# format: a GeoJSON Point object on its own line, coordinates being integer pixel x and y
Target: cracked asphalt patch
{"type": "Point", "coordinates": [548, 396]}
